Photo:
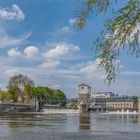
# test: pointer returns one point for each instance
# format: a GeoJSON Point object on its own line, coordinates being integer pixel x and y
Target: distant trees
{"type": "Point", "coordinates": [16, 85]}
{"type": "Point", "coordinates": [4, 95]}
{"type": "Point", "coordinates": [14, 91]}
{"type": "Point", "coordinates": [59, 95]}
{"type": "Point", "coordinates": [48, 95]}
{"type": "Point", "coordinates": [23, 86]}
{"type": "Point", "coordinates": [20, 81]}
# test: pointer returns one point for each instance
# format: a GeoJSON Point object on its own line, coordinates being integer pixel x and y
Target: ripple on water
{"type": "Point", "coordinates": [70, 127]}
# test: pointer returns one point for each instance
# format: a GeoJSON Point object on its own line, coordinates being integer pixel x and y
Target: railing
{"type": "Point", "coordinates": [14, 107]}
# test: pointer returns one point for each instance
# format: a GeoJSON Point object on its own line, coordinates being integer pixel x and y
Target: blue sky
{"type": "Point", "coordinates": [37, 38]}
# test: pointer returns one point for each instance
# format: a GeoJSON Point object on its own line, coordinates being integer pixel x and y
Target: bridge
{"type": "Point", "coordinates": [18, 107]}
{"type": "Point", "coordinates": [15, 107]}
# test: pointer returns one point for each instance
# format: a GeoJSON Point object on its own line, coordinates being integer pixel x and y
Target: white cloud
{"type": "Point", "coordinates": [14, 12]}
{"type": "Point", "coordinates": [72, 21]}
{"type": "Point", "coordinates": [14, 53]}
{"type": "Point", "coordinates": [55, 86]}
{"type": "Point", "coordinates": [91, 70]}
{"type": "Point", "coordinates": [68, 79]}
{"type": "Point", "coordinates": [131, 73]}
{"type": "Point", "coordinates": [90, 66]}
{"type": "Point", "coordinates": [8, 41]}
{"type": "Point", "coordinates": [31, 51]}
{"type": "Point", "coordinates": [11, 72]}
{"type": "Point", "coordinates": [50, 64]}
{"type": "Point", "coordinates": [61, 49]}
{"type": "Point", "coordinates": [65, 29]}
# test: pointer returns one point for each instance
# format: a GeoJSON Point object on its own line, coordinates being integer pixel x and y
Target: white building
{"type": "Point", "coordinates": [103, 95]}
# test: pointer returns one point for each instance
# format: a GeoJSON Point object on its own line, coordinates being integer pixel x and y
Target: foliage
{"type": "Point", "coordinates": [21, 84]}
{"type": "Point", "coordinates": [14, 91]}
{"type": "Point", "coordinates": [45, 93]}
{"type": "Point", "coordinates": [29, 90]}
{"type": "Point", "coordinates": [4, 95]}
{"type": "Point", "coordinates": [122, 31]}
{"type": "Point", "coordinates": [72, 105]}
{"type": "Point", "coordinates": [59, 95]}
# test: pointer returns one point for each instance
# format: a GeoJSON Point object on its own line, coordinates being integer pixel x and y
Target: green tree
{"type": "Point", "coordinates": [48, 94]}
{"type": "Point", "coordinates": [122, 31]}
{"type": "Point", "coordinates": [59, 95]}
{"type": "Point", "coordinates": [4, 95]}
{"type": "Point", "coordinates": [14, 91]}
{"type": "Point", "coordinates": [29, 90]}
{"type": "Point", "coordinates": [45, 93]}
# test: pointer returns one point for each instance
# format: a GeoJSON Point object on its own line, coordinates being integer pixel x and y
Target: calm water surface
{"type": "Point", "coordinates": [70, 127]}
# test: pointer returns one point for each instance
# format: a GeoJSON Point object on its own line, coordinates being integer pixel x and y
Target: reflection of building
{"type": "Point", "coordinates": [120, 103]}
{"type": "Point", "coordinates": [84, 92]}
{"type": "Point", "coordinates": [84, 121]}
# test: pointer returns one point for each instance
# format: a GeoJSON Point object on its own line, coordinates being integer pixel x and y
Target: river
{"type": "Point", "coordinates": [70, 127]}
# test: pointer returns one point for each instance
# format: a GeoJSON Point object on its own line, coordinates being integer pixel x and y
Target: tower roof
{"type": "Point", "coordinates": [83, 84]}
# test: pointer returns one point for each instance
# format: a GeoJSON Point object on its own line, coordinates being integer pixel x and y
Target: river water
{"type": "Point", "coordinates": [70, 127]}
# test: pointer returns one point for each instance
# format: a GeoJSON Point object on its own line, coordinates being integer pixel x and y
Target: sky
{"type": "Point", "coordinates": [38, 39]}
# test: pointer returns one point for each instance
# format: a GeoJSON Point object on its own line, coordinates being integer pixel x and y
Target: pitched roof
{"type": "Point", "coordinates": [83, 84]}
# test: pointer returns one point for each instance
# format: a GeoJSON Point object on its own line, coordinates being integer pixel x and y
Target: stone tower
{"type": "Point", "coordinates": [84, 92]}
{"type": "Point", "coordinates": [139, 105]}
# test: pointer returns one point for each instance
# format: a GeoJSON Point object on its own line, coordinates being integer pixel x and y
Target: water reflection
{"type": "Point", "coordinates": [20, 121]}
{"type": "Point", "coordinates": [84, 122]}
{"type": "Point", "coordinates": [138, 119]}
{"type": "Point", "coordinates": [70, 127]}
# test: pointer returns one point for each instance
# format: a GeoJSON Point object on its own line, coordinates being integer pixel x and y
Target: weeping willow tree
{"type": "Point", "coordinates": [121, 32]}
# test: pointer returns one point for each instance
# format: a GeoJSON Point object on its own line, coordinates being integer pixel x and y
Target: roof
{"type": "Point", "coordinates": [121, 99]}
{"type": "Point", "coordinates": [106, 93]}
{"type": "Point", "coordinates": [83, 84]}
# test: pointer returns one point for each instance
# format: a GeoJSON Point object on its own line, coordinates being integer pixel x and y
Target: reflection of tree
{"type": "Point", "coordinates": [84, 121]}
{"type": "Point", "coordinates": [17, 121]}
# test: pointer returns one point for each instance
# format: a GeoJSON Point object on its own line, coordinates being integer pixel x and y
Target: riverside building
{"type": "Point", "coordinates": [125, 103]}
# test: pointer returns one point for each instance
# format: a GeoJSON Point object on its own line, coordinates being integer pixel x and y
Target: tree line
{"type": "Point", "coordinates": [24, 87]}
